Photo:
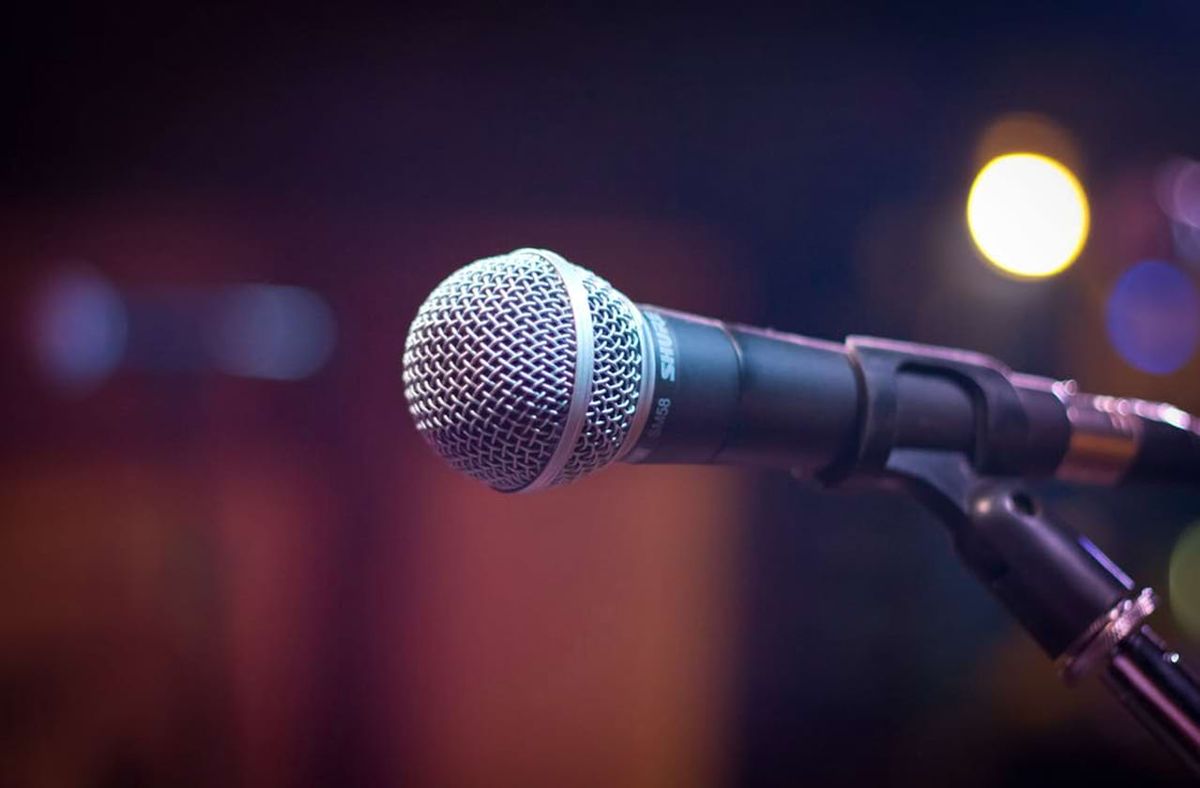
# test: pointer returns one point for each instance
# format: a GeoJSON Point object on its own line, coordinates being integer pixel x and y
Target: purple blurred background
{"type": "Point", "coordinates": [227, 557]}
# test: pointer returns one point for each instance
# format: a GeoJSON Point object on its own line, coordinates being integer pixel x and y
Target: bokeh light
{"type": "Point", "coordinates": [1153, 317]}
{"type": "Point", "coordinates": [1178, 187]}
{"type": "Point", "coordinates": [1186, 241]}
{"type": "Point", "coordinates": [1184, 580]}
{"type": "Point", "coordinates": [273, 332]}
{"type": "Point", "coordinates": [1178, 190]}
{"type": "Point", "coordinates": [1028, 215]}
{"type": "Point", "coordinates": [79, 328]}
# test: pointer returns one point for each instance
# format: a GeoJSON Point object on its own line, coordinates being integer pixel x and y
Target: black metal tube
{"type": "Point", "coordinates": [1160, 691]}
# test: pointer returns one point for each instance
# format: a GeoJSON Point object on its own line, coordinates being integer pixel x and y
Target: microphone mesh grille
{"type": "Point", "coordinates": [489, 369]}
{"type": "Point", "coordinates": [617, 380]}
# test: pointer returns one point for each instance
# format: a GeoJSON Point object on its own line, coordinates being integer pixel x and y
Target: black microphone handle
{"type": "Point", "coordinates": [734, 394]}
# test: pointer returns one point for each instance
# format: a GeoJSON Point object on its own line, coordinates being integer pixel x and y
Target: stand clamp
{"type": "Point", "coordinates": [1075, 602]}
{"type": "Point", "coordinates": [1096, 645]}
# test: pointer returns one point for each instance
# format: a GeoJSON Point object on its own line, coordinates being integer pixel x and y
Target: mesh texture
{"type": "Point", "coordinates": [616, 382]}
{"type": "Point", "coordinates": [489, 368]}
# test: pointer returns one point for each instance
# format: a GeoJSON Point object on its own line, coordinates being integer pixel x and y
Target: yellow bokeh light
{"type": "Point", "coordinates": [1028, 214]}
{"type": "Point", "coordinates": [1184, 579]}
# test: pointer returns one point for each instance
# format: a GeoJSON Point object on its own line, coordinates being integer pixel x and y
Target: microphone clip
{"type": "Point", "coordinates": [1080, 607]}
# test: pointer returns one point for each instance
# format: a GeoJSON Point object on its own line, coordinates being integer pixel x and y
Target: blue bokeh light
{"type": "Point", "coordinates": [80, 328]}
{"type": "Point", "coordinates": [1154, 317]}
{"type": "Point", "coordinates": [274, 332]}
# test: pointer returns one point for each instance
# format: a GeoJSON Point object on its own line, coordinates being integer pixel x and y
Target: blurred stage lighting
{"type": "Point", "coordinates": [1184, 581]}
{"type": "Point", "coordinates": [79, 329]}
{"type": "Point", "coordinates": [1028, 215]}
{"type": "Point", "coordinates": [1153, 317]}
{"type": "Point", "coordinates": [1178, 187]}
{"type": "Point", "coordinates": [273, 332]}
{"type": "Point", "coordinates": [82, 329]}
{"type": "Point", "coordinates": [1186, 240]}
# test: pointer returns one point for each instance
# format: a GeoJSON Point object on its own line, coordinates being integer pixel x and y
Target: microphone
{"type": "Point", "coordinates": [526, 371]}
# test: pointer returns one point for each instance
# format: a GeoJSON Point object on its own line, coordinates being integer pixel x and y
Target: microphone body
{"type": "Point", "coordinates": [735, 394]}
{"type": "Point", "coordinates": [730, 394]}
{"type": "Point", "coordinates": [526, 371]}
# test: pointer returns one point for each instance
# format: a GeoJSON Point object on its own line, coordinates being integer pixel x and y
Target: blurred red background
{"type": "Point", "coordinates": [213, 579]}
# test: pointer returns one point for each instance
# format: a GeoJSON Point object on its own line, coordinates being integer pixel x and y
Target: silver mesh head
{"type": "Point", "coordinates": [525, 371]}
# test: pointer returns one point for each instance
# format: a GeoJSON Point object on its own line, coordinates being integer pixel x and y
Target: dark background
{"type": "Point", "coordinates": [211, 580]}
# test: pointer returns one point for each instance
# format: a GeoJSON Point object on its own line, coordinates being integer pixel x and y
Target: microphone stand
{"type": "Point", "coordinates": [1075, 602]}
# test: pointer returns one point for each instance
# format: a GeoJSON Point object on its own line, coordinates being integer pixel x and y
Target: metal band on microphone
{"type": "Point", "coordinates": [1106, 433]}
{"type": "Point", "coordinates": [645, 403]}
{"type": "Point", "coordinates": [581, 391]}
